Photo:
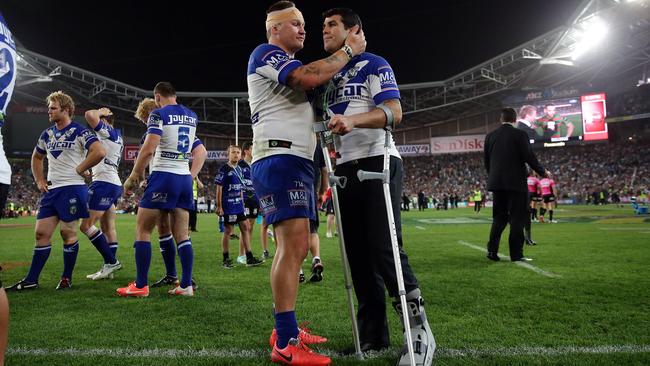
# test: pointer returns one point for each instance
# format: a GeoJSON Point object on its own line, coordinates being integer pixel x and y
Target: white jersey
{"type": "Point", "coordinates": [365, 82]}
{"type": "Point", "coordinates": [5, 168]}
{"type": "Point", "coordinates": [65, 150]}
{"type": "Point", "coordinates": [176, 126]}
{"type": "Point", "coordinates": [282, 117]}
{"type": "Point", "coordinates": [107, 169]}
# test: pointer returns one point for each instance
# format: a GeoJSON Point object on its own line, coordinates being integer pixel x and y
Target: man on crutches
{"type": "Point", "coordinates": [362, 102]}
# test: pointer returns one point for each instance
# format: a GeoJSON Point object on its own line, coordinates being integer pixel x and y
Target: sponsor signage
{"type": "Point", "coordinates": [414, 150]}
{"type": "Point", "coordinates": [130, 152]}
{"type": "Point", "coordinates": [457, 144]}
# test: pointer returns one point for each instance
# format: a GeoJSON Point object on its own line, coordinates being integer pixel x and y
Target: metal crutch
{"type": "Point", "coordinates": [321, 129]}
{"type": "Point", "coordinates": [384, 176]}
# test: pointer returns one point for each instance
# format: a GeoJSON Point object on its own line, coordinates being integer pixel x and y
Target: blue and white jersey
{"type": "Point", "coordinates": [365, 82]}
{"type": "Point", "coordinates": [282, 117]}
{"type": "Point", "coordinates": [248, 181]}
{"type": "Point", "coordinates": [107, 169]}
{"type": "Point", "coordinates": [65, 150]}
{"type": "Point", "coordinates": [7, 83]}
{"type": "Point", "coordinates": [231, 181]}
{"type": "Point", "coordinates": [197, 142]}
{"type": "Point", "coordinates": [176, 126]}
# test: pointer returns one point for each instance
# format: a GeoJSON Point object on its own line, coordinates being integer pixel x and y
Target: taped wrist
{"type": "Point", "coordinates": [390, 117]}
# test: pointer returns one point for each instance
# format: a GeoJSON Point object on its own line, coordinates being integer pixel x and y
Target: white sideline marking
{"type": "Point", "coordinates": [639, 230]}
{"type": "Point", "coordinates": [258, 353]}
{"type": "Point", "coordinates": [420, 227]}
{"type": "Point", "coordinates": [520, 264]}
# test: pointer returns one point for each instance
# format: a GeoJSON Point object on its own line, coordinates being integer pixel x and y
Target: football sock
{"type": "Point", "coordinates": [286, 326]}
{"type": "Point", "coordinates": [542, 211]}
{"type": "Point", "coordinates": [98, 239]}
{"type": "Point", "coordinates": [142, 262]}
{"type": "Point", "coordinates": [550, 214]}
{"type": "Point", "coordinates": [69, 258]}
{"type": "Point", "coordinates": [168, 251]}
{"type": "Point", "coordinates": [226, 256]}
{"type": "Point", "coordinates": [113, 247]}
{"type": "Point", "coordinates": [38, 262]}
{"type": "Point", "coordinates": [249, 255]}
{"type": "Point", "coordinates": [186, 255]}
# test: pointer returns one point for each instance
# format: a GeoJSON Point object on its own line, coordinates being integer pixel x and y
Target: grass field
{"type": "Point", "coordinates": [587, 303]}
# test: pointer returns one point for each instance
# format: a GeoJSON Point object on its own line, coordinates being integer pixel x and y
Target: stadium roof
{"type": "Point", "coordinates": [540, 63]}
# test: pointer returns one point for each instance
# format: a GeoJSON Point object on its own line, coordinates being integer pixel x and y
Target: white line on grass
{"type": "Point", "coordinates": [420, 227]}
{"type": "Point", "coordinates": [258, 353]}
{"type": "Point", "coordinates": [520, 264]}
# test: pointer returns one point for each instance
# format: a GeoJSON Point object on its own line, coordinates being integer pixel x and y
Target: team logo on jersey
{"type": "Point", "coordinates": [298, 198]}
{"type": "Point", "coordinates": [277, 60]}
{"type": "Point", "coordinates": [7, 66]}
{"type": "Point", "coordinates": [267, 204]}
{"type": "Point", "coordinates": [106, 201]}
{"type": "Point", "coordinates": [160, 197]}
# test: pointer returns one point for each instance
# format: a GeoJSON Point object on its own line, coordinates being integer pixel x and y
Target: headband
{"type": "Point", "coordinates": [280, 16]}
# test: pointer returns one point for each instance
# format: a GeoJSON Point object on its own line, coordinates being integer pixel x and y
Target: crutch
{"type": "Point", "coordinates": [321, 129]}
{"type": "Point", "coordinates": [384, 176]}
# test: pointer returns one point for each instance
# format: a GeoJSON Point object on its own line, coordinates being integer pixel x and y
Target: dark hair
{"type": "Point", "coordinates": [247, 145]}
{"type": "Point", "coordinates": [165, 89]}
{"type": "Point", "coordinates": [508, 115]}
{"type": "Point", "coordinates": [348, 16]}
{"type": "Point", "coordinates": [280, 5]}
{"type": "Point", "coordinates": [233, 147]}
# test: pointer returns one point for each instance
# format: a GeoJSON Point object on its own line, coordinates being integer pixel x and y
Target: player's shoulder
{"type": "Point", "coordinates": [373, 58]}
{"type": "Point", "coordinates": [242, 163]}
{"type": "Point", "coordinates": [264, 49]}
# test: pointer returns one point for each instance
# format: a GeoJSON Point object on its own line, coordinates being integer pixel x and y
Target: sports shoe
{"type": "Point", "coordinates": [554, 221]}
{"type": "Point", "coordinates": [493, 256]}
{"type": "Point", "coordinates": [194, 285]}
{"type": "Point", "coordinates": [305, 336]}
{"type": "Point", "coordinates": [64, 283]}
{"type": "Point", "coordinates": [522, 259]}
{"type": "Point", "coordinates": [301, 277]}
{"type": "Point", "coordinates": [266, 255]}
{"type": "Point", "coordinates": [241, 259]}
{"type": "Point", "coordinates": [316, 271]}
{"type": "Point", "coordinates": [90, 276]}
{"type": "Point", "coordinates": [253, 262]}
{"type": "Point", "coordinates": [107, 271]}
{"type": "Point", "coordinates": [179, 291]}
{"type": "Point", "coordinates": [234, 236]}
{"type": "Point", "coordinates": [133, 291]}
{"type": "Point", "coordinates": [22, 285]}
{"type": "Point", "coordinates": [296, 353]}
{"type": "Point", "coordinates": [166, 281]}
{"type": "Point", "coordinates": [329, 235]}
{"type": "Point", "coordinates": [227, 263]}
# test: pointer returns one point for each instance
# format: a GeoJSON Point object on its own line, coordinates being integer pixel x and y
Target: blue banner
{"type": "Point", "coordinates": [7, 65]}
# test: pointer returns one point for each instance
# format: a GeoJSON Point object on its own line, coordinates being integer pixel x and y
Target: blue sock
{"type": "Point", "coordinates": [113, 247]}
{"type": "Point", "coordinates": [101, 244]}
{"type": "Point", "coordinates": [186, 255]}
{"type": "Point", "coordinates": [69, 259]}
{"type": "Point", "coordinates": [286, 326]}
{"type": "Point", "coordinates": [38, 262]}
{"type": "Point", "coordinates": [142, 262]}
{"type": "Point", "coordinates": [168, 251]}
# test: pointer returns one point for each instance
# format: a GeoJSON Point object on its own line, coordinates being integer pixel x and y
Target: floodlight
{"type": "Point", "coordinates": [592, 32]}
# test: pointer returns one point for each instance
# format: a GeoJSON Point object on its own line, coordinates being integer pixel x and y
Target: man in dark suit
{"type": "Point", "coordinates": [507, 151]}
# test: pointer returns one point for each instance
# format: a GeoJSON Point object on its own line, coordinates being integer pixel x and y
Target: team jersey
{"type": "Point", "coordinates": [533, 184]}
{"type": "Point", "coordinates": [249, 190]}
{"type": "Point", "coordinates": [65, 150]}
{"type": "Point", "coordinates": [107, 169]}
{"type": "Point", "coordinates": [282, 117]}
{"type": "Point", "coordinates": [195, 144]}
{"type": "Point", "coordinates": [176, 126]}
{"type": "Point", "coordinates": [365, 82]}
{"type": "Point", "coordinates": [231, 180]}
{"type": "Point", "coordinates": [547, 185]}
{"type": "Point", "coordinates": [557, 123]}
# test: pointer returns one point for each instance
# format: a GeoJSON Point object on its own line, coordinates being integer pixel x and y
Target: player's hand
{"type": "Point", "coordinates": [340, 124]}
{"type": "Point", "coordinates": [85, 174]}
{"type": "Point", "coordinates": [220, 211]}
{"type": "Point", "coordinates": [356, 40]}
{"type": "Point", "coordinates": [42, 186]}
{"type": "Point", "coordinates": [199, 184]}
{"type": "Point", "coordinates": [103, 112]}
{"type": "Point", "coordinates": [132, 183]}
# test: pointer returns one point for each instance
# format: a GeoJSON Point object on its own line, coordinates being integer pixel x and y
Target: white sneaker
{"type": "Point", "coordinates": [554, 221]}
{"type": "Point", "coordinates": [107, 271]}
{"type": "Point", "coordinates": [329, 235]}
{"type": "Point", "coordinates": [92, 275]}
{"type": "Point", "coordinates": [179, 291]}
{"type": "Point", "coordinates": [241, 259]}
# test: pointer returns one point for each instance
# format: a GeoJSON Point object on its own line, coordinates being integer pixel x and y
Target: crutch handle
{"type": "Point", "coordinates": [337, 180]}
{"type": "Point", "coordinates": [365, 175]}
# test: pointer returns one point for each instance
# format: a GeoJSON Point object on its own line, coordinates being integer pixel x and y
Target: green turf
{"type": "Point", "coordinates": [601, 298]}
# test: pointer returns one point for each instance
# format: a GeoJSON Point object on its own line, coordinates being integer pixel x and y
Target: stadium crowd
{"type": "Point", "coordinates": [586, 174]}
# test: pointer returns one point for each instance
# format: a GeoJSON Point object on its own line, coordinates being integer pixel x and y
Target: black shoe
{"type": "Point", "coordinates": [166, 281]}
{"type": "Point", "coordinates": [528, 241]}
{"type": "Point", "coordinates": [253, 262]}
{"type": "Point", "coordinates": [234, 237]}
{"type": "Point", "coordinates": [64, 283]}
{"type": "Point", "coordinates": [316, 271]}
{"type": "Point", "coordinates": [194, 285]}
{"type": "Point", "coordinates": [301, 277]}
{"type": "Point", "coordinates": [22, 285]}
{"type": "Point", "coordinates": [367, 347]}
{"type": "Point", "coordinates": [227, 263]}
{"type": "Point", "coordinates": [266, 255]}
{"type": "Point", "coordinates": [521, 259]}
{"type": "Point", "coordinates": [532, 242]}
{"type": "Point", "coordinates": [493, 256]}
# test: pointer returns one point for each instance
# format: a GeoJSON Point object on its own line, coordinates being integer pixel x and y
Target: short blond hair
{"type": "Point", "coordinates": [144, 109]}
{"type": "Point", "coordinates": [64, 100]}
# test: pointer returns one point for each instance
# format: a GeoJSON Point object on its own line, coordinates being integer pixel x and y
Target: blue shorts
{"type": "Point", "coordinates": [284, 185]}
{"type": "Point", "coordinates": [102, 195]}
{"type": "Point", "coordinates": [167, 191]}
{"type": "Point", "coordinates": [68, 203]}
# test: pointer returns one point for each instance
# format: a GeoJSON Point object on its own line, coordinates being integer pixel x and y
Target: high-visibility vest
{"type": "Point", "coordinates": [195, 189]}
